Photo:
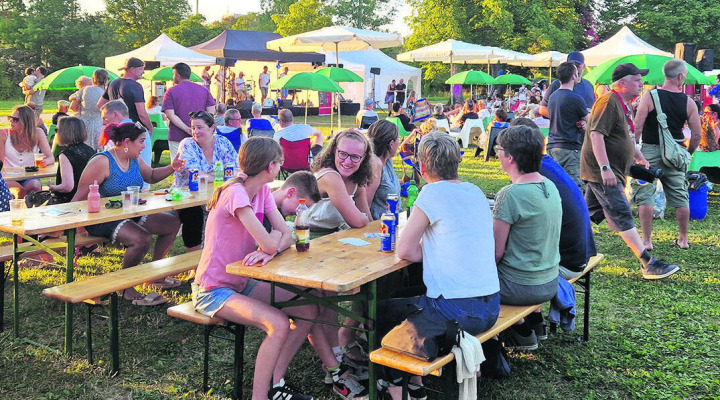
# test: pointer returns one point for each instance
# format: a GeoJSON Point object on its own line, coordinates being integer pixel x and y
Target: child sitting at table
{"type": "Point", "coordinates": [456, 247]}
{"type": "Point", "coordinates": [299, 185]}
{"type": "Point", "coordinates": [234, 232]}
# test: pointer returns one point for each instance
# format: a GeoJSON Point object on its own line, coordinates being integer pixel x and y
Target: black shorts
{"type": "Point", "coordinates": [612, 202]}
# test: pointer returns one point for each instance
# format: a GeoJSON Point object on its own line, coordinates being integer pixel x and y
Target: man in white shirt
{"type": "Point", "coordinates": [264, 82]}
{"type": "Point", "coordinates": [295, 132]}
{"type": "Point", "coordinates": [284, 91]}
{"type": "Point", "coordinates": [366, 112]}
{"type": "Point", "coordinates": [240, 86]}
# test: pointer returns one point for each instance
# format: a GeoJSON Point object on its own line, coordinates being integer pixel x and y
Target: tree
{"type": "Point", "coordinates": [226, 22]}
{"type": "Point", "coordinates": [365, 14]}
{"type": "Point", "coordinates": [137, 22]}
{"type": "Point", "coordinates": [272, 7]}
{"type": "Point", "coordinates": [192, 30]}
{"type": "Point", "coordinates": [303, 16]}
{"type": "Point", "coordinates": [253, 21]}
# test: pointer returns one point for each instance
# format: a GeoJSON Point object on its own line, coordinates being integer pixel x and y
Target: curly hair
{"type": "Point", "coordinates": [326, 159]}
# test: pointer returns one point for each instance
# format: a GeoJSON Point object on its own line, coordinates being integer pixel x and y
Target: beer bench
{"type": "Point", "coordinates": [509, 315]}
{"type": "Point", "coordinates": [92, 291]}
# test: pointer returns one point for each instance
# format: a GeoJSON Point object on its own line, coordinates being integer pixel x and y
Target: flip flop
{"type": "Point", "coordinates": [677, 244]}
{"type": "Point", "coordinates": [166, 283]}
{"type": "Point", "coordinates": [151, 299]}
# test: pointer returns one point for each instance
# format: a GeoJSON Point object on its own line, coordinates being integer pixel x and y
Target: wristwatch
{"type": "Point", "coordinates": [605, 168]}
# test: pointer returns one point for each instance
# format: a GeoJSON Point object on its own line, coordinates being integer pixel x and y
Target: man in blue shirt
{"type": "Point", "coordinates": [583, 87]}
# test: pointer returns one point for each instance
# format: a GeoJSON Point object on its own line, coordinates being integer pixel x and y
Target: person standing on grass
{"type": "Point", "coordinates": [605, 159]}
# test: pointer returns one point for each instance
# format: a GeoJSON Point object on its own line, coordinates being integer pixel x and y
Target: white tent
{"type": "Point", "coordinates": [623, 43]}
{"type": "Point", "coordinates": [546, 59]}
{"type": "Point", "coordinates": [164, 50]}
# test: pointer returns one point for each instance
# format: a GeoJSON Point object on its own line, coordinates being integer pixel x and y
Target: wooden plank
{"type": "Point", "coordinates": [186, 311]}
{"type": "Point", "coordinates": [19, 174]}
{"type": "Point", "coordinates": [75, 292]}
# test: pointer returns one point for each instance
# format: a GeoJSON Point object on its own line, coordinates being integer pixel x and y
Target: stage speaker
{"type": "Point", "coordinates": [375, 70]}
{"type": "Point", "coordinates": [285, 104]}
{"type": "Point", "coordinates": [705, 59]}
{"type": "Point", "coordinates": [225, 62]}
{"type": "Point", "coordinates": [150, 65]}
{"type": "Point", "coordinates": [335, 65]}
{"type": "Point", "coordinates": [686, 52]}
{"type": "Point", "coordinates": [246, 105]}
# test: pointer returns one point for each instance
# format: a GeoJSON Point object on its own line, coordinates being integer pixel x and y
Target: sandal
{"type": "Point", "coordinates": [677, 244]}
{"type": "Point", "coordinates": [166, 283]}
{"type": "Point", "coordinates": [151, 299]}
{"type": "Point", "coordinates": [345, 351]}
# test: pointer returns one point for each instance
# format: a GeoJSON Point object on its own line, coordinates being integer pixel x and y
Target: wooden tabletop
{"type": "Point", "coordinates": [19, 174]}
{"type": "Point", "coordinates": [41, 220]}
{"type": "Point", "coordinates": [329, 264]}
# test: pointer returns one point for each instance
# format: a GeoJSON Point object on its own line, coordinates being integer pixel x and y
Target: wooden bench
{"type": "Point", "coordinates": [509, 315]}
{"type": "Point", "coordinates": [186, 311]}
{"type": "Point", "coordinates": [93, 290]}
{"type": "Point", "coordinates": [58, 244]}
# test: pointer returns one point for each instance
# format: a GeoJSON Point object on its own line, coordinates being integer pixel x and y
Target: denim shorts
{"type": "Point", "coordinates": [109, 230]}
{"type": "Point", "coordinates": [209, 302]}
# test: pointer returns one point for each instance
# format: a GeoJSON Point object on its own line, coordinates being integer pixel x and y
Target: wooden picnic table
{"type": "Point", "coordinates": [333, 266]}
{"type": "Point", "coordinates": [70, 216]}
{"type": "Point", "coordinates": [19, 173]}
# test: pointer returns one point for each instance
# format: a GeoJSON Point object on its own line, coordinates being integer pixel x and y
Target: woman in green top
{"type": "Point", "coordinates": [526, 225]}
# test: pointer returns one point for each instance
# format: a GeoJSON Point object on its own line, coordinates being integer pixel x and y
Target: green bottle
{"type": "Point", "coordinates": [219, 174]}
{"type": "Point", "coordinates": [412, 193]}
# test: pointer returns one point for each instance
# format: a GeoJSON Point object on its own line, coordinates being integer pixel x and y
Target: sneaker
{"type": "Point", "coordinates": [357, 368]}
{"type": "Point", "coordinates": [285, 392]}
{"type": "Point", "coordinates": [541, 331]}
{"type": "Point", "coordinates": [415, 391]}
{"type": "Point", "coordinates": [346, 385]}
{"type": "Point", "coordinates": [516, 341]}
{"type": "Point", "coordinates": [658, 269]}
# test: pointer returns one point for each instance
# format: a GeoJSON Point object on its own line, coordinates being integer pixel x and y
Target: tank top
{"type": "Point", "coordinates": [14, 158]}
{"type": "Point", "coordinates": [674, 105]}
{"type": "Point", "coordinates": [323, 214]}
{"type": "Point", "coordinates": [119, 180]}
{"type": "Point", "coordinates": [389, 184]}
{"type": "Point", "coordinates": [78, 155]}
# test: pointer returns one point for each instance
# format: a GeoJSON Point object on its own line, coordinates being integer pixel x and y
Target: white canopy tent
{"type": "Point", "coordinates": [163, 50]}
{"type": "Point", "coordinates": [545, 59]}
{"type": "Point", "coordinates": [623, 43]}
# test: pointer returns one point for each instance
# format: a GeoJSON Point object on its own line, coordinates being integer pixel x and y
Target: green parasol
{"type": "Point", "coordinates": [165, 74]}
{"type": "Point", "coordinates": [338, 75]}
{"type": "Point", "coordinates": [471, 77]}
{"type": "Point", "coordinates": [512, 79]}
{"type": "Point", "coordinates": [602, 74]}
{"type": "Point", "coordinates": [64, 79]}
{"type": "Point", "coordinates": [307, 81]}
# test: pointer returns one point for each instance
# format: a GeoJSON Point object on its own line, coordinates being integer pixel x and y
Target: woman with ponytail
{"type": "Point", "coordinates": [114, 170]}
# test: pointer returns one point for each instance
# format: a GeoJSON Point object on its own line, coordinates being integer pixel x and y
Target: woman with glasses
{"type": "Point", "coordinates": [115, 170]}
{"type": "Point", "coordinates": [200, 152]}
{"type": "Point", "coordinates": [343, 170]}
{"type": "Point", "coordinates": [20, 143]}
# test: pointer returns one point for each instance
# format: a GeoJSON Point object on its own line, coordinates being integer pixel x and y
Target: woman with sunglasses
{"type": "Point", "coordinates": [200, 152]}
{"type": "Point", "coordinates": [20, 143]}
{"type": "Point", "coordinates": [114, 170]}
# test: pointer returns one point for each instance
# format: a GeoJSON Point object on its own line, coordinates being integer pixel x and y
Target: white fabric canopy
{"type": "Point", "coordinates": [451, 51]}
{"type": "Point", "coordinates": [545, 59]}
{"type": "Point", "coordinates": [163, 49]}
{"type": "Point", "coordinates": [623, 43]}
{"type": "Point", "coordinates": [336, 38]}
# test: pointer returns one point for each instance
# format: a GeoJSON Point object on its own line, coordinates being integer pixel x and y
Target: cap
{"type": "Point", "coordinates": [576, 57]}
{"type": "Point", "coordinates": [626, 69]}
{"type": "Point", "coordinates": [133, 62]}
{"type": "Point", "coordinates": [369, 102]}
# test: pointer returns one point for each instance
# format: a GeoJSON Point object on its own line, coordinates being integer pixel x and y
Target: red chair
{"type": "Point", "coordinates": [297, 156]}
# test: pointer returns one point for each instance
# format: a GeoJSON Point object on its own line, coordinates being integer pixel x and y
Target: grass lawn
{"type": "Point", "coordinates": [647, 340]}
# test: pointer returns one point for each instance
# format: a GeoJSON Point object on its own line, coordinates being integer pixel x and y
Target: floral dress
{"type": "Point", "coordinates": [190, 151]}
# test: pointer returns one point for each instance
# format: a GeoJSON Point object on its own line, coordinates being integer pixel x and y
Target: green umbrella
{"type": "Point", "coordinates": [471, 77]}
{"type": "Point", "coordinates": [307, 81]}
{"type": "Point", "coordinates": [602, 74]}
{"type": "Point", "coordinates": [338, 75]}
{"type": "Point", "coordinates": [165, 74]}
{"type": "Point", "coordinates": [64, 79]}
{"type": "Point", "coordinates": [512, 79]}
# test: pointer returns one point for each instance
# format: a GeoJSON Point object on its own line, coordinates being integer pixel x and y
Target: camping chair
{"type": "Point", "coordinates": [401, 129]}
{"type": "Point", "coordinates": [260, 127]}
{"type": "Point", "coordinates": [472, 129]}
{"type": "Point", "coordinates": [410, 159]}
{"type": "Point", "coordinates": [490, 142]}
{"type": "Point", "coordinates": [367, 120]}
{"type": "Point", "coordinates": [261, 132]}
{"type": "Point", "coordinates": [297, 156]}
{"type": "Point", "coordinates": [234, 135]}
{"type": "Point", "coordinates": [159, 136]}
{"type": "Point", "coordinates": [443, 125]}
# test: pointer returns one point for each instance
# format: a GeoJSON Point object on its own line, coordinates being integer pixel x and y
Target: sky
{"type": "Point", "coordinates": [213, 10]}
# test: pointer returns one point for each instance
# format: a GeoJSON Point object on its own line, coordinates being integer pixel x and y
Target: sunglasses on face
{"type": "Point", "coordinates": [355, 158]}
{"type": "Point", "coordinates": [13, 119]}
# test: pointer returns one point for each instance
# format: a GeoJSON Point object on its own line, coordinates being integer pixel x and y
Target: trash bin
{"type": "Point", "coordinates": [698, 202]}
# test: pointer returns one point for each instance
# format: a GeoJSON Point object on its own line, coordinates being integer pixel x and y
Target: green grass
{"type": "Point", "coordinates": [652, 340]}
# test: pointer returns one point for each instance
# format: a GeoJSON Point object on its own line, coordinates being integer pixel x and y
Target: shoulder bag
{"type": "Point", "coordinates": [673, 154]}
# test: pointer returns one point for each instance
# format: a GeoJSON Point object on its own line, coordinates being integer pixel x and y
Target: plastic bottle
{"type": "Point", "coordinates": [94, 198]}
{"type": "Point", "coordinates": [219, 174]}
{"type": "Point", "coordinates": [302, 228]}
{"type": "Point", "coordinates": [412, 193]}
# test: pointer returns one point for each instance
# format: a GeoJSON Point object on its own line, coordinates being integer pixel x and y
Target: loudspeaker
{"type": "Point", "coordinates": [375, 70]}
{"type": "Point", "coordinates": [150, 65]}
{"type": "Point", "coordinates": [335, 65]}
{"type": "Point", "coordinates": [686, 52]}
{"type": "Point", "coordinates": [246, 105]}
{"type": "Point", "coordinates": [705, 59]}
{"type": "Point", "coordinates": [225, 62]}
{"type": "Point", "coordinates": [285, 104]}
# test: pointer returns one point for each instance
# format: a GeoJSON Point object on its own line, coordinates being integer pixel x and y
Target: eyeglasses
{"type": "Point", "coordinates": [13, 119]}
{"type": "Point", "coordinates": [343, 155]}
{"type": "Point", "coordinates": [498, 148]}
{"type": "Point", "coordinates": [233, 119]}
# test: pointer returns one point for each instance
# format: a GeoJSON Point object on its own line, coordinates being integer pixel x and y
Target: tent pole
{"type": "Point", "coordinates": [452, 72]}
{"type": "Point", "coordinates": [337, 64]}
{"type": "Point", "coordinates": [307, 98]}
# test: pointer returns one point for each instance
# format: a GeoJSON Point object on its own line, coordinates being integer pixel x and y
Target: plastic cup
{"type": "Point", "coordinates": [176, 195]}
{"type": "Point", "coordinates": [203, 180]}
{"type": "Point", "coordinates": [135, 198]}
{"type": "Point", "coordinates": [17, 212]}
{"type": "Point", "coordinates": [127, 199]}
{"type": "Point", "coordinates": [39, 160]}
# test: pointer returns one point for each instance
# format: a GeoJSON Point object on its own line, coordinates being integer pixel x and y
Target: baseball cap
{"type": "Point", "coordinates": [626, 69]}
{"type": "Point", "coordinates": [133, 62]}
{"type": "Point", "coordinates": [576, 57]}
{"type": "Point", "coordinates": [369, 102]}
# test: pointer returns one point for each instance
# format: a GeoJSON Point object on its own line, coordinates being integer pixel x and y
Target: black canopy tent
{"type": "Point", "coordinates": [250, 46]}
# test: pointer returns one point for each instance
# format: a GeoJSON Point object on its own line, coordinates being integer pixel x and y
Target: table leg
{"type": "Point", "coordinates": [372, 336]}
{"type": "Point", "coordinates": [16, 288]}
{"type": "Point", "coordinates": [69, 266]}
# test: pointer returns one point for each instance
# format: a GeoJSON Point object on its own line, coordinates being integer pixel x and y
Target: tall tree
{"type": "Point", "coordinates": [303, 16]}
{"type": "Point", "coordinates": [365, 14]}
{"type": "Point", "coordinates": [192, 30]}
{"type": "Point", "coordinates": [137, 22]}
{"type": "Point", "coordinates": [253, 21]}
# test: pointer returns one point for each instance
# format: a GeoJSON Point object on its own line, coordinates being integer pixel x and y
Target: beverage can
{"type": "Point", "coordinates": [393, 200]}
{"type": "Point", "coordinates": [193, 176]}
{"type": "Point", "coordinates": [388, 231]}
{"type": "Point", "coordinates": [229, 172]}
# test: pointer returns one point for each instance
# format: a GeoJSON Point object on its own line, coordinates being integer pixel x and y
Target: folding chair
{"type": "Point", "coordinates": [297, 156]}
{"type": "Point", "coordinates": [261, 132]}
{"type": "Point", "coordinates": [473, 128]}
{"type": "Point", "coordinates": [367, 120]}
{"type": "Point", "coordinates": [401, 129]}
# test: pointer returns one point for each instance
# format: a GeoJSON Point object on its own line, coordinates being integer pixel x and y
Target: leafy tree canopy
{"type": "Point", "coordinates": [303, 16]}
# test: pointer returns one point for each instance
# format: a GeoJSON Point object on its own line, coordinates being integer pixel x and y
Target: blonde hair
{"type": "Point", "coordinates": [63, 103]}
{"type": "Point", "coordinates": [254, 157]}
{"type": "Point", "coordinates": [428, 126]}
{"type": "Point", "coordinates": [83, 81]}
{"type": "Point", "coordinates": [26, 139]}
{"type": "Point", "coordinates": [440, 154]}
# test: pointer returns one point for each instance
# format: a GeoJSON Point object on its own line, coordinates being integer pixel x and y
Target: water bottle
{"type": "Point", "coordinates": [219, 174]}
{"type": "Point", "coordinates": [302, 228]}
{"type": "Point", "coordinates": [93, 198]}
{"type": "Point", "coordinates": [412, 192]}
